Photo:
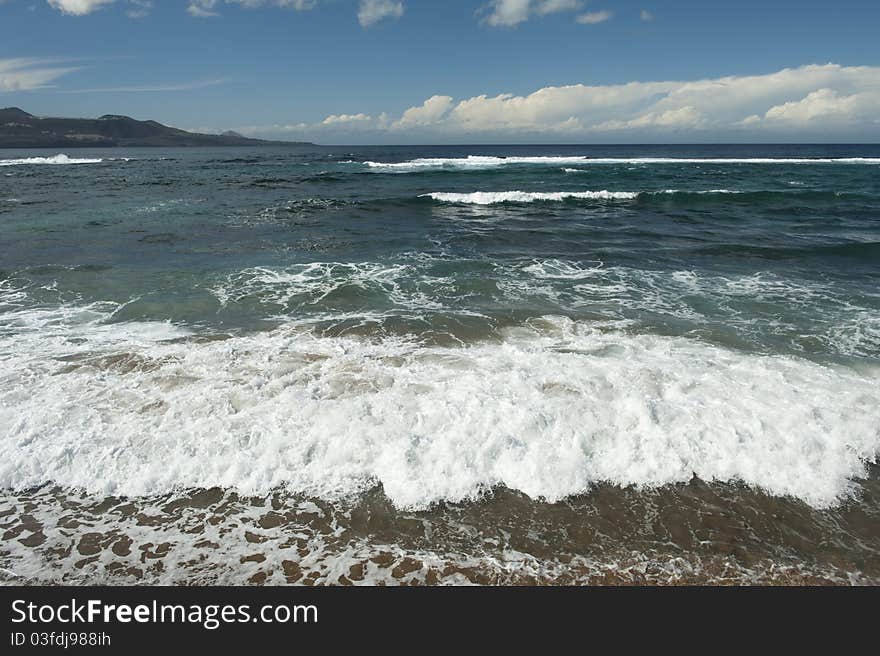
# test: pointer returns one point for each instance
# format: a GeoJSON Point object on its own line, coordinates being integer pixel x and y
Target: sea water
{"type": "Point", "coordinates": [440, 364]}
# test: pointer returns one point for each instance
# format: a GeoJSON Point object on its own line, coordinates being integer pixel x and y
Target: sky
{"type": "Point", "coordinates": [455, 71]}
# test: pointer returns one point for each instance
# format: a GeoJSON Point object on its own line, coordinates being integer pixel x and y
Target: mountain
{"type": "Point", "coordinates": [18, 129]}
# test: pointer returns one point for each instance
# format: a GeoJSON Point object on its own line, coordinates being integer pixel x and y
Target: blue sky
{"type": "Point", "coordinates": [426, 71]}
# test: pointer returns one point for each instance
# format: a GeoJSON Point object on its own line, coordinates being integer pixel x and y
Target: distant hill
{"type": "Point", "coordinates": [18, 129]}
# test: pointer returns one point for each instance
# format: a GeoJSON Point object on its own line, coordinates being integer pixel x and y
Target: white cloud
{"type": "Point", "coordinates": [545, 7]}
{"type": "Point", "coordinates": [811, 102]}
{"type": "Point", "coordinates": [825, 104]}
{"type": "Point", "coordinates": [141, 8]}
{"type": "Point", "coordinates": [208, 8]}
{"type": "Point", "coordinates": [78, 7]}
{"type": "Point", "coordinates": [683, 117]}
{"type": "Point", "coordinates": [26, 74]}
{"type": "Point", "coordinates": [202, 8]}
{"type": "Point", "coordinates": [646, 16]}
{"type": "Point", "coordinates": [508, 13]}
{"type": "Point", "coordinates": [371, 12]}
{"type": "Point", "coordinates": [345, 118]}
{"type": "Point", "coordinates": [594, 17]}
{"type": "Point", "coordinates": [151, 88]}
{"type": "Point", "coordinates": [431, 111]}
{"type": "Point", "coordinates": [137, 8]}
{"type": "Point", "coordinates": [299, 5]}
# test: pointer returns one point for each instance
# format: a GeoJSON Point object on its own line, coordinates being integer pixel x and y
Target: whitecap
{"type": "Point", "coordinates": [489, 162]}
{"type": "Point", "coordinates": [61, 158]}
{"type": "Point", "coordinates": [551, 409]}
{"type": "Point", "coordinates": [493, 197]}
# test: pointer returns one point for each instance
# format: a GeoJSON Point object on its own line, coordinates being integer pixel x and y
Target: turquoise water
{"type": "Point", "coordinates": [443, 324]}
{"type": "Point", "coordinates": [775, 257]}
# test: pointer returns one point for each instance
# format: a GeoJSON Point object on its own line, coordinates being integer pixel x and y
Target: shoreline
{"type": "Point", "coordinates": [686, 534]}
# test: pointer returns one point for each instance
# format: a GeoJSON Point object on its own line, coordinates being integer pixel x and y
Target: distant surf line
{"type": "Point", "coordinates": [483, 162]}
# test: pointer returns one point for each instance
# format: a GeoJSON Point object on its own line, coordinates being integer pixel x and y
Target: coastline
{"type": "Point", "coordinates": [689, 534]}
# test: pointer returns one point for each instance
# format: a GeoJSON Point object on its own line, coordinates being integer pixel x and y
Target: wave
{"type": "Point", "coordinates": [703, 191]}
{"type": "Point", "coordinates": [490, 162]}
{"type": "Point", "coordinates": [731, 160]}
{"type": "Point", "coordinates": [452, 298]}
{"type": "Point", "coordinates": [800, 194]}
{"type": "Point", "coordinates": [497, 197]}
{"type": "Point", "coordinates": [550, 409]}
{"type": "Point", "coordinates": [55, 159]}
{"type": "Point", "coordinates": [494, 197]}
{"type": "Point", "coordinates": [471, 162]}
{"type": "Point", "coordinates": [807, 316]}
{"type": "Point", "coordinates": [323, 283]}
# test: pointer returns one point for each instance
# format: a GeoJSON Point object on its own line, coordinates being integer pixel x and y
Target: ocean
{"type": "Point", "coordinates": [440, 365]}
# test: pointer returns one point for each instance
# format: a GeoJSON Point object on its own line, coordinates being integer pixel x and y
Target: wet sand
{"type": "Point", "coordinates": [698, 533]}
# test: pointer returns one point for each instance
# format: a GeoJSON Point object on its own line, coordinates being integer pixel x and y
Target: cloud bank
{"type": "Point", "coordinates": [820, 102]}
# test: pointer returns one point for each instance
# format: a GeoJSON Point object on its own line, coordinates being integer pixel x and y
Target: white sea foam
{"type": "Point", "coordinates": [561, 269]}
{"type": "Point", "coordinates": [494, 197]}
{"type": "Point", "coordinates": [472, 162]}
{"type": "Point", "coordinates": [674, 191]}
{"type": "Point", "coordinates": [55, 159]}
{"type": "Point", "coordinates": [311, 283]}
{"type": "Point", "coordinates": [733, 160]}
{"type": "Point", "coordinates": [488, 162]}
{"type": "Point", "coordinates": [795, 311]}
{"type": "Point", "coordinates": [701, 191]}
{"type": "Point", "coordinates": [550, 409]}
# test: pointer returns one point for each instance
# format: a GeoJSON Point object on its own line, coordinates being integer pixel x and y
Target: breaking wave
{"type": "Point", "coordinates": [489, 162]}
{"type": "Point", "coordinates": [493, 197]}
{"type": "Point", "coordinates": [550, 409]}
{"type": "Point", "coordinates": [55, 159]}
